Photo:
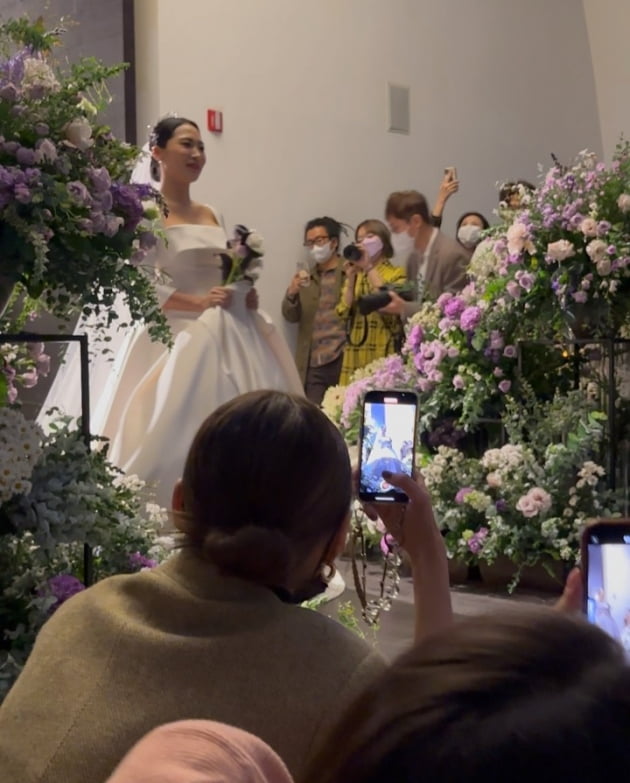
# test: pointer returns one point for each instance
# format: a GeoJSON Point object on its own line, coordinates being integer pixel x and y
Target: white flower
{"type": "Point", "coordinates": [623, 202]}
{"type": "Point", "coordinates": [38, 78]}
{"type": "Point", "coordinates": [79, 133]}
{"type": "Point", "coordinates": [20, 449]}
{"type": "Point", "coordinates": [256, 243]}
{"type": "Point", "coordinates": [560, 250]}
{"type": "Point", "coordinates": [597, 250]}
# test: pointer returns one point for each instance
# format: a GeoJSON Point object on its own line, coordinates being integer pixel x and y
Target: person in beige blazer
{"type": "Point", "coordinates": [215, 632]}
{"type": "Point", "coordinates": [435, 262]}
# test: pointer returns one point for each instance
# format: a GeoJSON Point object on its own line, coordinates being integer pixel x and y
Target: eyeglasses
{"type": "Point", "coordinates": [318, 242]}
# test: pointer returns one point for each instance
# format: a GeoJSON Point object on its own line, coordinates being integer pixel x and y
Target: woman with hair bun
{"type": "Point", "coordinates": [214, 632]}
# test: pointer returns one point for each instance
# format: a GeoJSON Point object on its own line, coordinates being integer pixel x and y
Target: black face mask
{"type": "Point", "coordinates": [310, 589]}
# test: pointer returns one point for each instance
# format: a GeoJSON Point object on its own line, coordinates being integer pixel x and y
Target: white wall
{"type": "Point", "coordinates": [608, 22]}
{"type": "Point", "coordinates": [495, 87]}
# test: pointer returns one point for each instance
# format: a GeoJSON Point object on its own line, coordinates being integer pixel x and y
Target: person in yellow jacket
{"type": "Point", "coordinates": [375, 334]}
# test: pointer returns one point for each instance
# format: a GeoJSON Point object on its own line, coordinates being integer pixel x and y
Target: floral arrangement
{"type": "Point", "coordinates": [55, 496]}
{"type": "Point", "coordinates": [565, 257]}
{"type": "Point", "coordinates": [73, 229]}
{"type": "Point", "coordinates": [245, 257]}
{"type": "Point", "coordinates": [529, 498]}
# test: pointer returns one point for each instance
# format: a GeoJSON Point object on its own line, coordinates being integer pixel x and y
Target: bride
{"type": "Point", "coordinates": [222, 345]}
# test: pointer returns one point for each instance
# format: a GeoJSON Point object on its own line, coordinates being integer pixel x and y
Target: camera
{"type": "Point", "coordinates": [370, 302]}
{"type": "Point", "coordinates": [352, 253]}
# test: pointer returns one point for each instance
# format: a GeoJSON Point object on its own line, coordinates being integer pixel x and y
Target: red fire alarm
{"type": "Point", "coordinates": [215, 121]}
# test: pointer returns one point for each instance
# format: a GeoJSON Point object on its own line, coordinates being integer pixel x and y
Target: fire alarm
{"type": "Point", "coordinates": [215, 121]}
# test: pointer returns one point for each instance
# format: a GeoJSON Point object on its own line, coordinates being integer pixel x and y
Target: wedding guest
{"type": "Point", "coordinates": [310, 301]}
{"type": "Point", "coordinates": [435, 263]}
{"type": "Point", "coordinates": [525, 696]}
{"type": "Point", "coordinates": [200, 750]}
{"type": "Point", "coordinates": [468, 230]}
{"type": "Point", "coordinates": [512, 195]}
{"type": "Point", "coordinates": [375, 334]}
{"type": "Point", "coordinates": [214, 632]}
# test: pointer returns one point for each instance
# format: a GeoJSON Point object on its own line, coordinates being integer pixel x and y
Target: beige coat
{"type": "Point", "coordinates": [445, 270]}
{"type": "Point", "coordinates": [178, 642]}
{"type": "Point", "coordinates": [302, 312]}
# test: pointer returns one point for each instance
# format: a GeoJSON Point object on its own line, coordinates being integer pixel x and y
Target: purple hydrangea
{"type": "Point", "coordinates": [470, 318]}
{"type": "Point", "coordinates": [454, 307]}
{"type": "Point", "coordinates": [139, 561]}
{"type": "Point", "coordinates": [475, 542]}
{"type": "Point", "coordinates": [62, 587]}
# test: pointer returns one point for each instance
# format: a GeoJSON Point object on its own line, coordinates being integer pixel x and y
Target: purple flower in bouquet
{"type": "Point", "coordinates": [61, 587]}
{"type": "Point", "coordinates": [514, 289]}
{"type": "Point", "coordinates": [510, 352]}
{"type": "Point", "coordinates": [475, 542]}
{"type": "Point", "coordinates": [496, 340]}
{"type": "Point", "coordinates": [505, 386]}
{"type": "Point", "coordinates": [470, 318]}
{"type": "Point", "coordinates": [461, 494]}
{"type": "Point", "coordinates": [139, 561]}
{"type": "Point", "coordinates": [501, 506]}
{"type": "Point", "coordinates": [99, 179]}
{"type": "Point", "coordinates": [580, 297]}
{"type": "Point", "coordinates": [414, 339]}
{"type": "Point", "coordinates": [128, 200]}
{"type": "Point", "coordinates": [443, 299]}
{"type": "Point", "coordinates": [79, 193]}
{"type": "Point", "coordinates": [525, 279]}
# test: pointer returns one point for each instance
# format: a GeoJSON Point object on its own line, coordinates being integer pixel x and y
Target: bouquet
{"type": "Point", "coordinates": [244, 259]}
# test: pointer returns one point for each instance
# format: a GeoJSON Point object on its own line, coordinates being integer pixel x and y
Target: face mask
{"type": "Point", "coordinates": [321, 254]}
{"type": "Point", "coordinates": [403, 244]}
{"type": "Point", "coordinates": [373, 246]}
{"type": "Point", "coordinates": [469, 235]}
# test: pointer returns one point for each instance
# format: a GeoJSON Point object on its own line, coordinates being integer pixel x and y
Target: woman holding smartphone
{"type": "Point", "coordinates": [374, 335]}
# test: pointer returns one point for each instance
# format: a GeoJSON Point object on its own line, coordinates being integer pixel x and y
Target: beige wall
{"type": "Point", "coordinates": [496, 86]}
{"type": "Point", "coordinates": [608, 23]}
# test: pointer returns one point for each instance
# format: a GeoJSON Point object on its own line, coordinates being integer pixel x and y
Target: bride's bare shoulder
{"type": "Point", "coordinates": [207, 215]}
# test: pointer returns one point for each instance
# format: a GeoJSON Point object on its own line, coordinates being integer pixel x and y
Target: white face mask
{"type": "Point", "coordinates": [403, 244]}
{"type": "Point", "coordinates": [469, 235]}
{"type": "Point", "coordinates": [321, 254]}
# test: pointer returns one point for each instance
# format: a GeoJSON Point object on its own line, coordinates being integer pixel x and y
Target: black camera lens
{"type": "Point", "coordinates": [352, 253]}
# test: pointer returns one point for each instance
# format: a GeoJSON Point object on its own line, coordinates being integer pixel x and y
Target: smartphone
{"type": "Point", "coordinates": [452, 173]}
{"type": "Point", "coordinates": [388, 442]}
{"type": "Point", "coordinates": [606, 563]}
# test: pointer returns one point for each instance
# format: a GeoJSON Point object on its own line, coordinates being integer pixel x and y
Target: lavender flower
{"type": "Point", "coordinates": [62, 587]}
{"type": "Point", "coordinates": [139, 561]}
{"type": "Point", "coordinates": [470, 318]}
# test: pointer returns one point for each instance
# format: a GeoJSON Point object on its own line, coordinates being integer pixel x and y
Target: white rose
{"type": "Point", "coordinates": [623, 202]}
{"type": "Point", "coordinates": [79, 133]}
{"type": "Point", "coordinates": [596, 250]}
{"type": "Point", "coordinates": [589, 227]}
{"type": "Point", "coordinates": [560, 250]}
{"type": "Point", "coordinates": [255, 243]}
{"type": "Point", "coordinates": [603, 266]}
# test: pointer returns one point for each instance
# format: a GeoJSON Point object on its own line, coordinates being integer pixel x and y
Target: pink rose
{"type": "Point", "coordinates": [588, 227]}
{"type": "Point", "coordinates": [525, 280]}
{"type": "Point", "coordinates": [580, 296]}
{"type": "Point", "coordinates": [527, 506]}
{"type": "Point", "coordinates": [560, 250]}
{"type": "Point", "coordinates": [505, 386]}
{"type": "Point", "coordinates": [541, 498]}
{"type": "Point", "coordinates": [513, 289]}
{"type": "Point", "coordinates": [494, 479]}
{"type": "Point", "coordinates": [518, 238]}
{"type": "Point", "coordinates": [458, 382]}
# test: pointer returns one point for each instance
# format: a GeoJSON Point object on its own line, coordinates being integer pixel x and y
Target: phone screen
{"type": "Point", "coordinates": [388, 441]}
{"type": "Point", "coordinates": [608, 580]}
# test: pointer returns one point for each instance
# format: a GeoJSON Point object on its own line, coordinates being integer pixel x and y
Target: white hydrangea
{"type": "Point", "coordinates": [20, 448]}
{"type": "Point", "coordinates": [38, 78]}
{"type": "Point", "coordinates": [505, 458]}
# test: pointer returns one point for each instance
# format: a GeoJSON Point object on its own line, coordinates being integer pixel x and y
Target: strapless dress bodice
{"type": "Point", "coordinates": [189, 260]}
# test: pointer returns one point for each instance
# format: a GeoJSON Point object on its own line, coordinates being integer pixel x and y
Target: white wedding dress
{"type": "Point", "coordinates": [150, 400]}
{"type": "Point", "coordinates": [163, 396]}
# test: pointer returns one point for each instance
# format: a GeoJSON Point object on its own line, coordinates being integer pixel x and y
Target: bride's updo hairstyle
{"type": "Point", "coordinates": [267, 482]}
{"type": "Point", "coordinates": [160, 135]}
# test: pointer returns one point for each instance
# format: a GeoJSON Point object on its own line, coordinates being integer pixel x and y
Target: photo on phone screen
{"type": "Point", "coordinates": [388, 442]}
{"type": "Point", "coordinates": [608, 579]}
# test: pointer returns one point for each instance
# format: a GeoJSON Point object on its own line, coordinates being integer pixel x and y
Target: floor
{"type": "Point", "coordinates": [395, 631]}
